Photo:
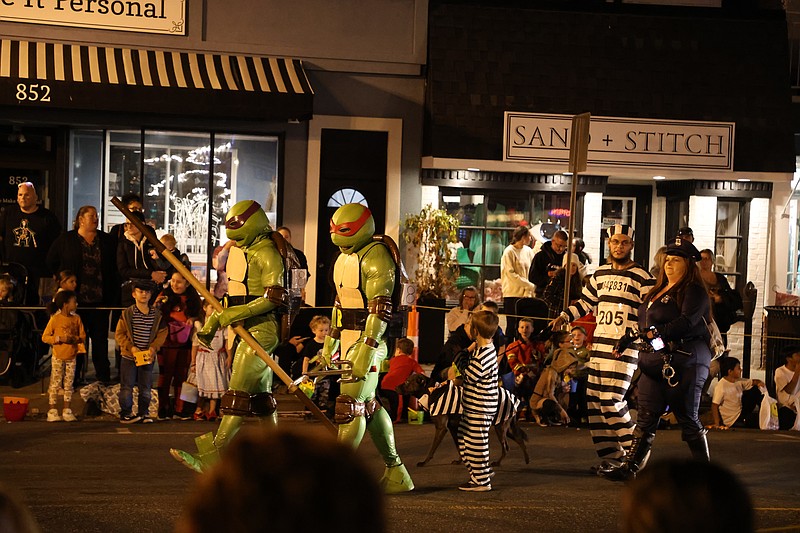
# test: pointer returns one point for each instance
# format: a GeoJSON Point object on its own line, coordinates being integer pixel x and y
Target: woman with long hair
{"type": "Point", "coordinates": [514, 267]}
{"type": "Point", "coordinates": [672, 320]}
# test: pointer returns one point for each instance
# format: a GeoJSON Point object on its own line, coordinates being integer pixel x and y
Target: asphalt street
{"type": "Point", "coordinates": [98, 475]}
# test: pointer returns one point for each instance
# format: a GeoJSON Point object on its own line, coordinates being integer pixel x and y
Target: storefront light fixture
{"type": "Point", "coordinates": [659, 178]}
{"type": "Point", "coordinates": [743, 179]}
{"type": "Point", "coordinates": [473, 169]}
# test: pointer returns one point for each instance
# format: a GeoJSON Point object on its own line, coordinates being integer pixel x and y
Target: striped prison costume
{"type": "Point", "coordinates": [615, 296]}
{"type": "Point", "coordinates": [446, 400]}
{"type": "Point", "coordinates": [479, 399]}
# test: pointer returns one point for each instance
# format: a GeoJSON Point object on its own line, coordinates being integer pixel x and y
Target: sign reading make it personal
{"type": "Point", "coordinates": [616, 141]}
{"type": "Point", "coordinates": [156, 16]}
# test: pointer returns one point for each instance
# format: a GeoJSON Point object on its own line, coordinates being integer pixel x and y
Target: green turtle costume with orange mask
{"type": "Point", "coordinates": [255, 271]}
{"type": "Point", "coordinates": [364, 275]}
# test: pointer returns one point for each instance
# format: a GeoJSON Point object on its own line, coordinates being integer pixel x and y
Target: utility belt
{"type": "Point", "coordinates": [354, 319]}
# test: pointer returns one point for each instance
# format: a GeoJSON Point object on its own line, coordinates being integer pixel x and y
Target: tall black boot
{"type": "Point", "coordinates": [699, 448]}
{"type": "Point", "coordinates": [634, 459]}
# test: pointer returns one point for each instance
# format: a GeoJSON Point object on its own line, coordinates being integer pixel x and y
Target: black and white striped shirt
{"type": "Point", "coordinates": [480, 381]}
{"type": "Point", "coordinates": [142, 327]}
{"type": "Point", "coordinates": [615, 296]}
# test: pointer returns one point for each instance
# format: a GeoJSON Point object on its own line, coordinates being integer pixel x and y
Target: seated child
{"type": "Point", "coordinates": [735, 400]}
{"type": "Point", "coordinates": [787, 386]}
{"type": "Point", "coordinates": [401, 366]}
{"type": "Point", "coordinates": [577, 400]}
{"type": "Point", "coordinates": [550, 397]}
{"type": "Point", "coordinates": [524, 361]}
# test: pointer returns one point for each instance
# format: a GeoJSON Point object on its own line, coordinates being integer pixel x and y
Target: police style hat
{"type": "Point", "coordinates": [683, 248]}
{"type": "Point", "coordinates": [620, 228]}
{"type": "Point", "coordinates": [143, 284]}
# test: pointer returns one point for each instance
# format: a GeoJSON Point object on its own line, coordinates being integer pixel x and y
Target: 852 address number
{"type": "Point", "coordinates": [33, 92]}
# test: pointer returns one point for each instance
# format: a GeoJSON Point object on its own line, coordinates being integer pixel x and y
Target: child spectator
{"type": "Point", "coordinates": [787, 386]}
{"type": "Point", "coordinates": [401, 366]}
{"type": "Point", "coordinates": [211, 366]}
{"type": "Point", "coordinates": [499, 340]}
{"type": "Point", "coordinates": [64, 332]}
{"type": "Point", "coordinates": [66, 280]}
{"type": "Point", "coordinates": [524, 362]}
{"type": "Point", "coordinates": [735, 399]}
{"type": "Point", "coordinates": [580, 377]}
{"type": "Point", "coordinates": [181, 306]}
{"type": "Point", "coordinates": [140, 329]}
{"type": "Point", "coordinates": [8, 317]}
{"type": "Point", "coordinates": [479, 402]}
{"type": "Point", "coordinates": [550, 397]}
{"type": "Point", "coordinates": [160, 263]}
{"type": "Point", "coordinates": [559, 340]}
{"type": "Point", "coordinates": [324, 391]}
{"type": "Point", "coordinates": [6, 291]}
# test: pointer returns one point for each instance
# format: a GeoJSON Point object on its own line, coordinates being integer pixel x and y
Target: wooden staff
{"type": "Point", "coordinates": [238, 329]}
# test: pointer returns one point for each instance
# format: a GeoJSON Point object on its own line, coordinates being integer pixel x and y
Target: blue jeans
{"type": "Point", "coordinates": [130, 375]}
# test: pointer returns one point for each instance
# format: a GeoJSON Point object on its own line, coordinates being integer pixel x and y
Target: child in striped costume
{"type": "Point", "coordinates": [479, 402]}
{"type": "Point", "coordinates": [614, 292]}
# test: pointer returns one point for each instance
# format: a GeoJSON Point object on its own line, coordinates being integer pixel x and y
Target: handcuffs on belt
{"type": "Point", "coordinates": [639, 341]}
{"type": "Point", "coordinates": [668, 372]}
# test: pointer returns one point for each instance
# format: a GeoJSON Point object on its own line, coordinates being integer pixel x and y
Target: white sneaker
{"type": "Point", "coordinates": [67, 416]}
{"type": "Point", "coordinates": [52, 416]}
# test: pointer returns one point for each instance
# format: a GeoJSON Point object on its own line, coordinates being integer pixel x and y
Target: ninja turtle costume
{"type": "Point", "coordinates": [255, 288]}
{"type": "Point", "coordinates": [364, 275]}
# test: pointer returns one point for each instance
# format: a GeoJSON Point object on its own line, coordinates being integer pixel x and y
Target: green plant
{"type": "Point", "coordinates": [429, 233]}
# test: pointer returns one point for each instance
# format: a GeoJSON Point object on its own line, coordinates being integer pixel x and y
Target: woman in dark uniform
{"type": "Point", "coordinates": [674, 311]}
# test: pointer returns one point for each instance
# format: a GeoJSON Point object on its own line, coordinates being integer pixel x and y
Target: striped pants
{"type": "Point", "coordinates": [609, 420]}
{"type": "Point", "coordinates": [473, 445]}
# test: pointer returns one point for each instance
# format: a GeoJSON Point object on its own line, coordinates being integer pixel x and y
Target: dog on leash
{"type": "Point", "coordinates": [444, 406]}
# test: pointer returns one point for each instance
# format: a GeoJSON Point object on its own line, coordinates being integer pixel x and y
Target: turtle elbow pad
{"type": "Point", "coordinates": [381, 306]}
{"type": "Point", "coordinates": [277, 295]}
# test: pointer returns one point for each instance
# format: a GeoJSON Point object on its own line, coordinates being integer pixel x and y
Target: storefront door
{"type": "Point", "coordinates": [353, 166]}
{"type": "Point", "coordinates": [628, 205]}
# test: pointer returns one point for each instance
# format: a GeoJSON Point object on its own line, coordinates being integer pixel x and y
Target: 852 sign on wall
{"type": "Point", "coordinates": [10, 178]}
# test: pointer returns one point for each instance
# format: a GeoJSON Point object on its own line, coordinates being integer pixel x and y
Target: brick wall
{"type": "Point", "coordinates": [592, 213]}
{"type": "Point", "coordinates": [757, 264]}
{"type": "Point", "coordinates": [703, 220]}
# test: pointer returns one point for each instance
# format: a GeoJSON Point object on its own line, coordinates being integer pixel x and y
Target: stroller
{"type": "Point", "coordinates": [19, 334]}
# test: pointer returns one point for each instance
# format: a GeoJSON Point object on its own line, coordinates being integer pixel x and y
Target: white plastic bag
{"type": "Point", "coordinates": [768, 414]}
{"type": "Point", "coordinates": [796, 426]}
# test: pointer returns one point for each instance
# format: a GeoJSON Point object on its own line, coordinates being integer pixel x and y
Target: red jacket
{"type": "Point", "coordinates": [520, 353]}
{"type": "Point", "coordinates": [400, 367]}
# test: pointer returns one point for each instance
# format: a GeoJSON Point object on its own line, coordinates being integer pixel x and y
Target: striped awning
{"type": "Point", "coordinates": [78, 76]}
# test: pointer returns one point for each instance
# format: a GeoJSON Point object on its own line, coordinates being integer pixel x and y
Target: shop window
{"type": "Point", "coordinates": [187, 180]}
{"type": "Point", "coordinates": [486, 222]}
{"type": "Point", "coordinates": [732, 224]}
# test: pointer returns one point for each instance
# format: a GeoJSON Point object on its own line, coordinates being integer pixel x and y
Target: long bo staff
{"type": "Point", "coordinates": [238, 329]}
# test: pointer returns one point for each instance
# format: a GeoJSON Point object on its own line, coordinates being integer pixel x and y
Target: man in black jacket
{"type": "Point", "coordinates": [547, 261]}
